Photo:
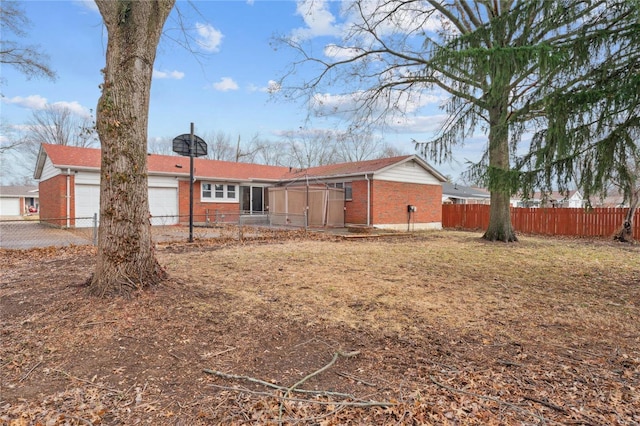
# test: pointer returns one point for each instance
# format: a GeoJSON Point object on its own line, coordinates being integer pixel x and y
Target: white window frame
{"type": "Point", "coordinates": [219, 192]}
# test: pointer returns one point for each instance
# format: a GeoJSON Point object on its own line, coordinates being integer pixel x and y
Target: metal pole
{"type": "Point", "coordinates": [192, 152]}
{"type": "Point", "coordinates": [95, 229]}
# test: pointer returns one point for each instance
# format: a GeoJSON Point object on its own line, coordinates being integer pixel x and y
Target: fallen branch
{"type": "Point", "coordinates": [326, 367]}
{"type": "Point", "coordinates": [274, 386]}
{"type": "Point", "coordinates": [356, 403]}
{"type": "Point", "coordinates": [308, 376]}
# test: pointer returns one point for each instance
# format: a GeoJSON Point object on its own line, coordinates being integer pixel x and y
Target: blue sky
{"type": "Point", "coordinates": [223, 87]}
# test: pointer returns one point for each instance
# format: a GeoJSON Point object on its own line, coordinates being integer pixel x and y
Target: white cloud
{"type": "Point", "coordinates": [318, 19]}
{"type": "Point", "coordinates": [341, 53]}
{"type": "Point", "coordinates": [271, 87]}
{"type": "Point", "coordinates": [174, 75]}
{"type": "Point", "coordinates": [37, 102]}
{"type": "Point", "coordinates": [74, 107]}
{"type": "Point", "coordinates": [31, 102]}
{"type": "Point", "coordinates": [209, 38]}
{"type": "Point", "coordinates": [225, 84]}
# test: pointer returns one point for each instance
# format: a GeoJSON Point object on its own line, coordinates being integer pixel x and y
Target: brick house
{"type": "Point", "coordinates": [377, 193]}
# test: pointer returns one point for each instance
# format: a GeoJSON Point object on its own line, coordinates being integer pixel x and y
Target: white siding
{"type": "Point", "coordinates": [48, 170]}
{"type": "Point", "coordinates": [409, 172]}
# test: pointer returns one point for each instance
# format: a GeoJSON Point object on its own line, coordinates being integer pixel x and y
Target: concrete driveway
{"type": "Point", "coordinates": [24, 234]}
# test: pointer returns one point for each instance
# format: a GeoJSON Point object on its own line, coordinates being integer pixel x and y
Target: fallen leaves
{"type": "Point", "coordinates": [449, 331]}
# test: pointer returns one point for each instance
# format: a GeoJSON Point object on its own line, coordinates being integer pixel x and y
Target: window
{"type": "Point", "coordinates": [206, 190]}
{"type": "Point", "coordinates": [344, 185]}
{"type": "Point", "coordinates": [348, 192]}
{"type": "Point", "coordinates": [219, 192]}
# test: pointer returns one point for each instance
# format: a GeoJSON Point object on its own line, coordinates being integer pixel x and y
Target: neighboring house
{"type": "Point", "coordinates": [376, 193]}
{"type": "Point", "coordinates": [453, 193]}
{"type": "Point", "coordinates": [18, 200]}
{"type": "Point", "coordinates": [571, 199]}
{"type": "Point", "coordinates": [611, 200]}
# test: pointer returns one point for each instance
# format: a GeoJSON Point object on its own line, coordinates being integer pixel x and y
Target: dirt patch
{"type": "Point", "coordinates": [437, 327]}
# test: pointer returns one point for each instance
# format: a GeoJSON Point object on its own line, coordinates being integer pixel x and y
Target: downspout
{"type": "Point", "coordinates": [368, 200]}
{"type": "Point", "coordinates": [68, 197]}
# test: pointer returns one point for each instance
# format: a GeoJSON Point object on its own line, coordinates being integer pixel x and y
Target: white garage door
{"type": "Point", "coordinates": [10, 207]}
{"type": "Point", "coordinates": [87, 199]}
{"type": "Point", "coordinates": [163, 204]}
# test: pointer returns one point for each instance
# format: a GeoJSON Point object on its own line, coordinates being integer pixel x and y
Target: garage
{"type": "Point", "coordinates": [87, 204]}
{"type": "Point", "coordinates": [163, 205]}
{"type": "Point", "coordinates": [10, 207]}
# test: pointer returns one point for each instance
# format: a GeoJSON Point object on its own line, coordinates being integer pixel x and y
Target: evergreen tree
{"type": "Point", "coordinates": [495, 59]}
{"type": "Point", "coordinates": [593, 114]}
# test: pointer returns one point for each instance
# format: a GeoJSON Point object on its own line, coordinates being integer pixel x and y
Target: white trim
{"type": "Point", "coordinates": [225, 199]}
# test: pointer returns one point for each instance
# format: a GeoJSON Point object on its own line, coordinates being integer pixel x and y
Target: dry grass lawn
{"type": "Point", "coordinates": [430, 328]}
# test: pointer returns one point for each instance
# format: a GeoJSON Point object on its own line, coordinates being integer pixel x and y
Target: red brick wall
{"type": "Point", "coordinates": [390, 200]}
{"type": "Point", "coordinates": [232, 210]}
{"type": "Point", "coordinates": [53, 201]}
{"type": "Point", "coordinates": [356, 209]}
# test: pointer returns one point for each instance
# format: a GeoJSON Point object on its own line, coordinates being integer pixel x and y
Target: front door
{"type": "Point", "coordinates": [252, 199]}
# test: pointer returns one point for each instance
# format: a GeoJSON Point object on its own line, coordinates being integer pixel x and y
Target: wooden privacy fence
{"type": "Point", "coordinates": [598, 222]}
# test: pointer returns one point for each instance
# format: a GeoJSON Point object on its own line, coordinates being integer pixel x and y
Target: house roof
{"type": "Point", "coordinates": [553, 195]}
{"type": "Point", "coordinates": [359, 168]}
{"type": "Point", "coordinates": [453, 190]}
{"type": "Point", "coordinates": [28, 191]}
{"type": "Point", "coordinates": [77, 158]}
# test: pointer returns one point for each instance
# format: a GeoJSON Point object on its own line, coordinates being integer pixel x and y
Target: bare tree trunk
{"type": "Point", "coordinates": [126, 259]}
{"type": "Point", "coordinates": [625, 234]}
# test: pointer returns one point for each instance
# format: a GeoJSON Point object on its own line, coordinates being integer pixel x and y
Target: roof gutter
{"type": "Point", "coordinates": [368, 199]}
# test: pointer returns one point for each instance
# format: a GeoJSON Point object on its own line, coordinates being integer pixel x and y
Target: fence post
{"type": "Point", "coordinates": [306, 223]}
{"type": "Point", "coordinates": [95, 229]}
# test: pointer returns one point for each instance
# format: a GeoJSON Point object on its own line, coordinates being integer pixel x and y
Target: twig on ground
{"type": "Point", "coordinates": [326, 367]}
{"type": "Point", "coordinates": [176, 356]}
{"type": "Point", "coordinates": [315, 373]}
{"type": "Point", "coordinates": [509, 363]}
{"type": "Point", "coordinates": [546, 404]}
{"type": "Point", "coordinates": [356, 403]}
{"type": "Point", "coordinates": [229, 349]}
{"type": "Point", "coordinates": [274, 386]}
{"type": "Point", "coordinates": [89, 382]}
{"type": "Point", "coordinates": [354, 378]}
{"type": "Point", "coordinates": [23, 378]}
{"type": "Point", "coordinates": [98, 322]}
